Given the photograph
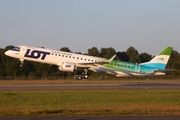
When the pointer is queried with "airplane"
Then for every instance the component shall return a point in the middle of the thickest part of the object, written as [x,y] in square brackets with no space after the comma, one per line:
[71,62]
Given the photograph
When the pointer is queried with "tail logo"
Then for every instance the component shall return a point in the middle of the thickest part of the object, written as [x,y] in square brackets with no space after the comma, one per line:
[160,58]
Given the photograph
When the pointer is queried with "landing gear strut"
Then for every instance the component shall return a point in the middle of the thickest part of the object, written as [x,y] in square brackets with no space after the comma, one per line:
[85,74]
[22,61]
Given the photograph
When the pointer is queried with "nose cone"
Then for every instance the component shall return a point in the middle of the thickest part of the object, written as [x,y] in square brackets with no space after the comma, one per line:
[7,53]
[11,53]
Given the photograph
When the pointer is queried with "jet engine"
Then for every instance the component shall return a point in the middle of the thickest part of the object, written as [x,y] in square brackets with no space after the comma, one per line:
[67,67]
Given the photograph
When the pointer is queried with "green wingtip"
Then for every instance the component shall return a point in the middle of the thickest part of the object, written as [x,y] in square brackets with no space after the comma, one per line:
[166,51]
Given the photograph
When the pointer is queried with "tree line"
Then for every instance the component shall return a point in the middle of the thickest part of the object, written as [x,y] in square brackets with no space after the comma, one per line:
[10,67]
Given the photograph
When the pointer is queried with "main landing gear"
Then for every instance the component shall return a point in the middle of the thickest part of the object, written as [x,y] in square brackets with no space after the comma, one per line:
[81,74]
[84,74]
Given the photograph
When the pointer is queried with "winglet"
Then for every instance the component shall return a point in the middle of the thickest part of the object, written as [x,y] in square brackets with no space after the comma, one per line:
[112,58]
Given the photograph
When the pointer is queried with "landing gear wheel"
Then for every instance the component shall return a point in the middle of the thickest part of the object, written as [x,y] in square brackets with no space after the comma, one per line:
[84,76]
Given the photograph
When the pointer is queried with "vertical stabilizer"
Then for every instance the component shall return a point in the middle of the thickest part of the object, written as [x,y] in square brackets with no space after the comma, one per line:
[159,62]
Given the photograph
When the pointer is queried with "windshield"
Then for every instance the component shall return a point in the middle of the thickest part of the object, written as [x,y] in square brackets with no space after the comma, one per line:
[16,49]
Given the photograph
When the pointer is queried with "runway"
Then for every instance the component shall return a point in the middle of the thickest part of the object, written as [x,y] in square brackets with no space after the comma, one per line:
[136,86]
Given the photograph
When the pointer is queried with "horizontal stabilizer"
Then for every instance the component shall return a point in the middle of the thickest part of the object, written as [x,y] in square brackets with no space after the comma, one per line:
[167,71]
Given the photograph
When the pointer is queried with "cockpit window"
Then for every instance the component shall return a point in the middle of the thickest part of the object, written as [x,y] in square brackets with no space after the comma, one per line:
[16,49]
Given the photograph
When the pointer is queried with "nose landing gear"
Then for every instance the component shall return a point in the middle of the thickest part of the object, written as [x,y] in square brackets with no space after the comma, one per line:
[22,61]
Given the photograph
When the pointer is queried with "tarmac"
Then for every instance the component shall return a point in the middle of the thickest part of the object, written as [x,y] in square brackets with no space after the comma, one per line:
[136,86]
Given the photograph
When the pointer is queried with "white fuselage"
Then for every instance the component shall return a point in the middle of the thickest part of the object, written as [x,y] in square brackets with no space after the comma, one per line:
[51,56]
[67,61]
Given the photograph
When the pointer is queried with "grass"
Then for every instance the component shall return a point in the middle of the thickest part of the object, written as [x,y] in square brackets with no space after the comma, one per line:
[89,102]
[92,102]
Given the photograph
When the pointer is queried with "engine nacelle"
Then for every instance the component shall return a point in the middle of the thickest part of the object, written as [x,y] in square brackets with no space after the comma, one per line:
[67,67]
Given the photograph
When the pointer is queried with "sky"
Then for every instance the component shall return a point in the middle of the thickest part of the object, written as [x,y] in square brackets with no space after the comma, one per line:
[147,25]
